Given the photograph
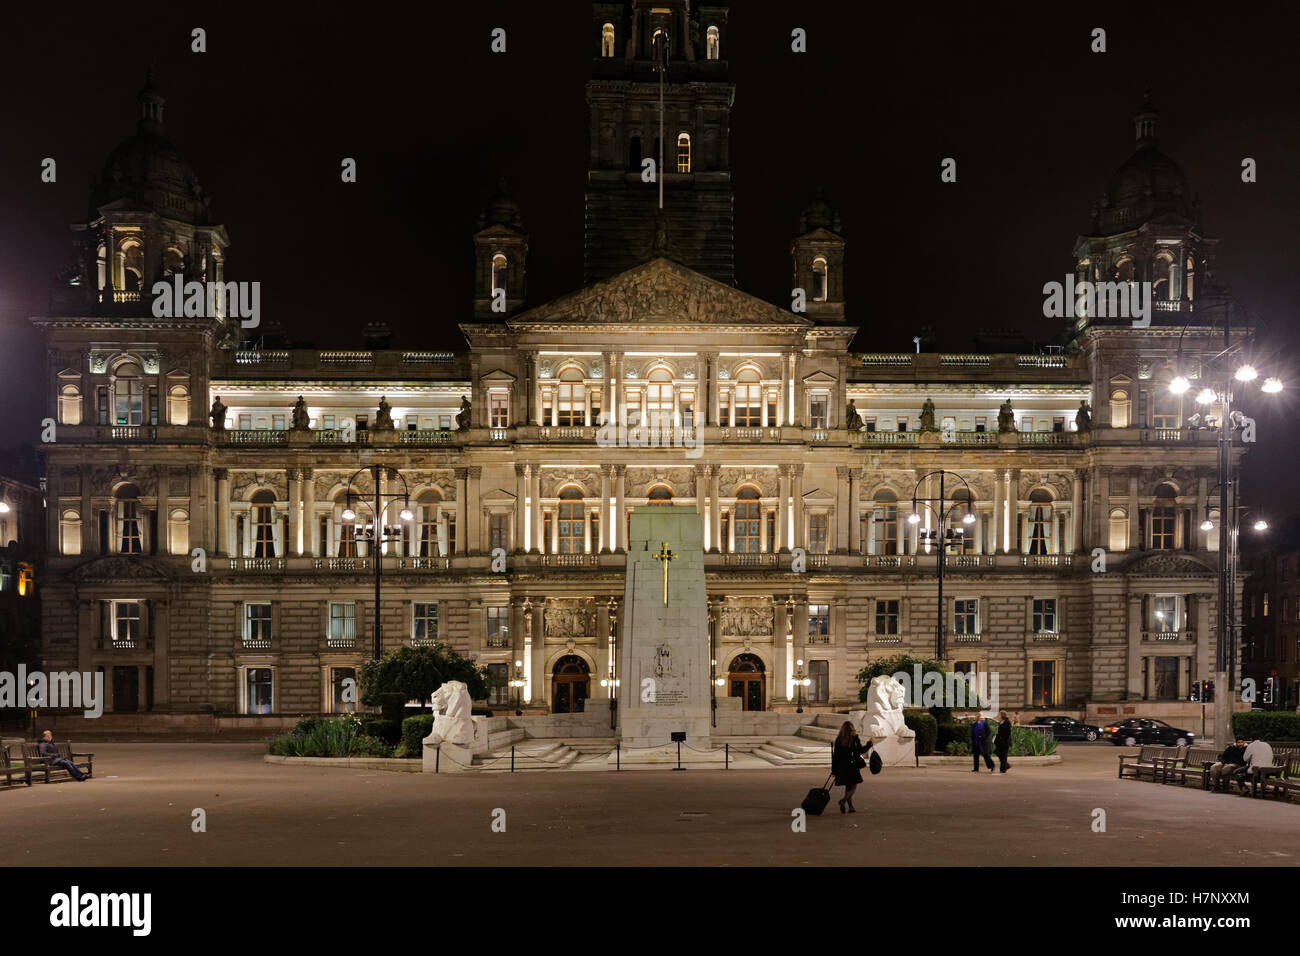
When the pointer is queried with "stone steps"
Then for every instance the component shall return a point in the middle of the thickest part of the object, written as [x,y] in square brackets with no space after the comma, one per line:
[504,738]
[816,732]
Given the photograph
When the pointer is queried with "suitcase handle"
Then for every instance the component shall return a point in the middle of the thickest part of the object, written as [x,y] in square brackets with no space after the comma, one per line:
[828,781]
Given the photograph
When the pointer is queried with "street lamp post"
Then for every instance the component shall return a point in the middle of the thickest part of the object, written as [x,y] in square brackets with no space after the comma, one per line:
[517,682]
[378,533]
[800,682]
[942,536]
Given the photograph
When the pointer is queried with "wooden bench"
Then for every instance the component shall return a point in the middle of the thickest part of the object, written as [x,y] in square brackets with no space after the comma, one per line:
[1192,765]
[1271,779]
[32,757]
[1290,780]
[1144,761]
[10,770]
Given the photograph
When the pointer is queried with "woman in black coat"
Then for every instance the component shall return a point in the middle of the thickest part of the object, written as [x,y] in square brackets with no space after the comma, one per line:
[1002,742]
[846,760]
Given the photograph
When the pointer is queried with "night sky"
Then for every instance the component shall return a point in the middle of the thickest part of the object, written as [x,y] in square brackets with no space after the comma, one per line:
[1036,122]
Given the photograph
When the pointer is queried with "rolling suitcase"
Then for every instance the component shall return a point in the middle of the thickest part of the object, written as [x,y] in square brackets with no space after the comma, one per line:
[817,798]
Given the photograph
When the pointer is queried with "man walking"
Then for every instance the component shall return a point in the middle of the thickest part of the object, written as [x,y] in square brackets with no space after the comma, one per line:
[1002,743]
[979,744]
[48,749]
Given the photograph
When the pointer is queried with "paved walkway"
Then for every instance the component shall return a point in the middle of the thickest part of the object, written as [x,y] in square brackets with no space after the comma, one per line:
[137,811]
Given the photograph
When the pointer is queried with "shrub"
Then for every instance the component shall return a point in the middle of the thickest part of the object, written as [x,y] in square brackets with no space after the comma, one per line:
[364,746]
[1273,725]
[926,729]
[1026,742]
[304,726]
[414,730]
[956,748]
[389,731]
[951,733]
[392,706]
[283,747]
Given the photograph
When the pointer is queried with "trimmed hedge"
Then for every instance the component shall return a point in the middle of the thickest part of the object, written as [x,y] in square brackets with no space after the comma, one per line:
[926,729]
[1273,725]
[414,730]
[389,731]
[392,706]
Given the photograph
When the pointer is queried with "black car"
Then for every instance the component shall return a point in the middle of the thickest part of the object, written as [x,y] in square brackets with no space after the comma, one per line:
[1146,730]
[1066,728]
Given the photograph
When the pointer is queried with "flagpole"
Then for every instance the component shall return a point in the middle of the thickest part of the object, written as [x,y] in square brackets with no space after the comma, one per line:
[663,63]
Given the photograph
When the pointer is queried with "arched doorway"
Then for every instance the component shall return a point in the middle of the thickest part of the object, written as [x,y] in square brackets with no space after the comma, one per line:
[570,685]
[746,681]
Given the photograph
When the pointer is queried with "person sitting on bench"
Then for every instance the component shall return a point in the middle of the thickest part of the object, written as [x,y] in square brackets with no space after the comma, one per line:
[1231,760]
[49,749]
[1258,754]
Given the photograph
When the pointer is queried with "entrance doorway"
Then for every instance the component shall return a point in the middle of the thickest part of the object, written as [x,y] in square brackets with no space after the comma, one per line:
[570,685]
[746,679]
[126,690]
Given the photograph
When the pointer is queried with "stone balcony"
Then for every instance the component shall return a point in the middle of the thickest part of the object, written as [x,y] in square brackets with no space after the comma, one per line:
[1169,637]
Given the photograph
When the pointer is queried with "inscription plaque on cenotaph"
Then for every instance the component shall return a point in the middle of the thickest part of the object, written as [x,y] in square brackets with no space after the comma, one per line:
[664,657]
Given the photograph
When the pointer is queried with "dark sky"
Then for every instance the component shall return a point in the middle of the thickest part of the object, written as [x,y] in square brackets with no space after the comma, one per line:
[1036,122]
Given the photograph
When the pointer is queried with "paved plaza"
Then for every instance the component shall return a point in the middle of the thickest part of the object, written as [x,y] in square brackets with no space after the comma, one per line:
[136,811]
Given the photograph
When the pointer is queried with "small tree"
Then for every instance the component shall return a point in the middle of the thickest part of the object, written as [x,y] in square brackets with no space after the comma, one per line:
[417,672]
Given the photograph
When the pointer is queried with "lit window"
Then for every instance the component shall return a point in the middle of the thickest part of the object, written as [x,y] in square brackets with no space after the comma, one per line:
[711,38]
[498,627]
[887,617]
[70,533]
[424,623]
[126,624]
[128,396]
[820,277]
[659,399]
[748,399]
[178,405]
[257,690]
[499,405]
[748,523]
[573,523]
[607,40]
[683,152]
[819,623]
[1044,614]
[257,624]
[70,405]
[572,398]
[498,273]
[343,624]
[965,616]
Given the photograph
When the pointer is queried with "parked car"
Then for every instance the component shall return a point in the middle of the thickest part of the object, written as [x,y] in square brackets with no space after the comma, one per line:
[1066,728]
[1146,730]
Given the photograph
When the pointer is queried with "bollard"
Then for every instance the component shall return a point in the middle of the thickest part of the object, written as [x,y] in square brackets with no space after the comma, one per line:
[726,757]
[618,755]
[437,757]
[512,758]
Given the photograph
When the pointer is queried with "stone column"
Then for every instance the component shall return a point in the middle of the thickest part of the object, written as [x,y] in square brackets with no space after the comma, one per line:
[534,413]
[1133,542]
[1135,688]
[310,545]
[474,509]
[1013,507]
[855,507]
[620,534]
[999,512]
[541,682]
[616,390]
[842,518]
[782,672]
[1077,543]
[605,488]
[521,505]
[291,547]
[715,511]
[979,531]
[796,413]
[602,649]
[796,478]
[516,634]
[536,545]
[1204,660]
[460,545]
[223,510]
[90,520]
[1202,507]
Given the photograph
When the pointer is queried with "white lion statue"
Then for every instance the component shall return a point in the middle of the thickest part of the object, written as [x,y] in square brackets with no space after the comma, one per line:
[883,722]
[452,723]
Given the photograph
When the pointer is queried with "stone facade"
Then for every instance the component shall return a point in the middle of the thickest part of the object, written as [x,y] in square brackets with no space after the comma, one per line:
[207,560]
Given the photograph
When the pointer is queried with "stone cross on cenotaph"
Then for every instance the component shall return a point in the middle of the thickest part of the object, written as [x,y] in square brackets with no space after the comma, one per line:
[664,653]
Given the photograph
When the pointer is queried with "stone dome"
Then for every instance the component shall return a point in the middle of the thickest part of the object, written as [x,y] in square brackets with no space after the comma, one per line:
[502,210]
[1147,186]
[819,215]
[148,169]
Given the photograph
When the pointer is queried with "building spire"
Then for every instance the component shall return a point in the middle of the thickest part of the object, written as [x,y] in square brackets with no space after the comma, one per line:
[1144,121]
[151,105]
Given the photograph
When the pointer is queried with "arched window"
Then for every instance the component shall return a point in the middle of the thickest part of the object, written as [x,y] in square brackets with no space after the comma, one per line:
[430,538]
[347,536]
[1125,269]
[884,523]
[264,524]
[178,532]
[1212,536]
[963,534]
[498,273]
[1164,518]
[749,402]
[70,405]
[660,495]
[748,522]
[70,533]
[130,536]
[659,47]
[1040,522]
[101,266]
[132,257]
[1118,530]
[1190,274]
[1119,408]
[820,279]
[572,399]
[174,262]
[711,36]
[178,405]
[1162,277]
[683,152]
[573,523]
[659,399]
[607,40]
[128,395]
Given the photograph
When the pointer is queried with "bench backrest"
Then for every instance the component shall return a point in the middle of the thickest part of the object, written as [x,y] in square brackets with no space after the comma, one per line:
[1293,767]
[65,751]
[1196,755]
[31,752]
[1147,754]
[1282,754]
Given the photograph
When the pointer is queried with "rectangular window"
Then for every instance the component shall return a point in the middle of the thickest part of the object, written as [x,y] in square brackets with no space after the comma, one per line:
[596,406]
[103,405]
[965,616]
[500,411]
[724,533]
[548,539]
[981,423]
[902,424]
[327,421]
[363,422]
[886,617]
[1166,677]
[863,527]
[126,624]
[501,689]
[886,520]
[633,402]
[816,411]
[817,533]
[257,690]
[819,623]
[343,685]
[498,626]
[245,422]
[1162,528]
[412,423]
[343,624]
[424,623]
[870,423]
[771,531]
[1026,424]
[277,423]
[1164,612]
[687,405]
[1044,684]
[257,624]
[1058,424]
[820,687]
[498,531]
[724,408]
[444,422]
[130,540]
[1044,615]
